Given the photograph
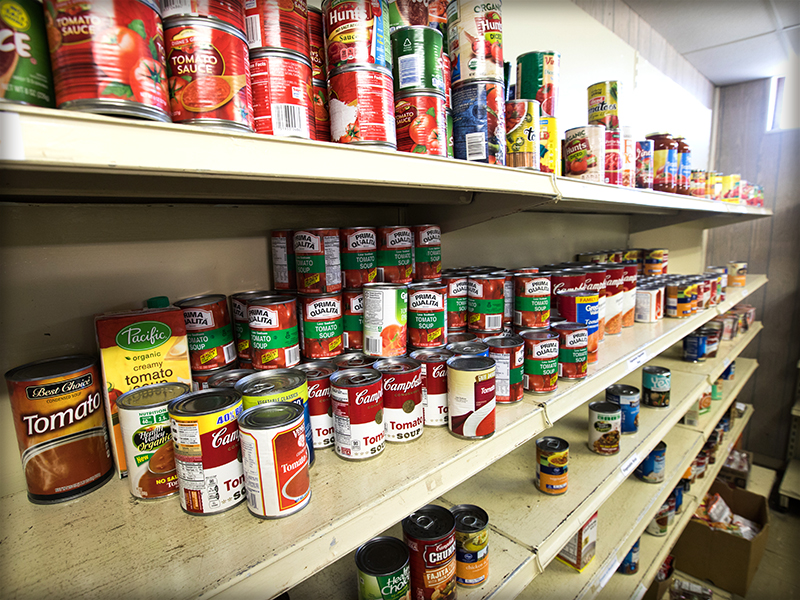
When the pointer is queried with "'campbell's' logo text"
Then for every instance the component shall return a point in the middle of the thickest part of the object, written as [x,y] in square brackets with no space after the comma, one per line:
[392,385]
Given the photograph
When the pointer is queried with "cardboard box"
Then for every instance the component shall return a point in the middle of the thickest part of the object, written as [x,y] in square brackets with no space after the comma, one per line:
[726,561]
[736,477]
[658,589]
[580,550]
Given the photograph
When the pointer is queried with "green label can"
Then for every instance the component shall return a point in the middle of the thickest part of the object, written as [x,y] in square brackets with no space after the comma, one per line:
[538,77]
[417,55]
[25,74]
[522,134]
[385,319]
[384,572]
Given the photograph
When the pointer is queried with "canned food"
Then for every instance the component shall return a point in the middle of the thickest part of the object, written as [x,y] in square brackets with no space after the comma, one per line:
[357,399]
[356,32]
[552,465]
[573,353]
[317,258]
[659,526]
[471,393]
[581,307]
[273,332]
[486,302]
[653,468]
[737,274]
[429,534]
[479,128]
[665,162]
[613,157]
[385,319]
[316,44]
[605,420]
[603,104]
[585,152]
[321,325]
[522,134]
[241,320]
[361,106]
[434,384]
[228,378]
[416,53]
[644,164]
[713,337]
[628,294]
[383,570]
[647,304]
[353,320]
[404,12]
[549,146]
[448,91]
[281,89]
[200,379]
[656,262]
[322,119]
[694,347]
[615,298]
[474,347]
[427,252]
[655,386]
[282,25]
[508,354]
[353,359]
[318,375]
[539,77]
[359,246]
[395,254]
[27,77]
[475,40]
[679,299]
[209,331]
[731,188]
[628,398]
[541,361]
[284,270]
[472,545]
[427,324]
[402,398]
[532,300]
[596,282]
[456,302]
[230,11]
[630,564]
[628,158]
[461,336]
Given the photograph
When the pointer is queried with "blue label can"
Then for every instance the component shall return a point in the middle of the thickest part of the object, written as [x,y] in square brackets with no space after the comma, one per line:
[628,398]
[656,386]
[630,564]
[479,127]
[694,347]
[652,468]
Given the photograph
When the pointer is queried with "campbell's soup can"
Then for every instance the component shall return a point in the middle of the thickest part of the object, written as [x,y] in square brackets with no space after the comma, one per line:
[27,77]
[522,134]
[584,153]
[385,319]
[479,129]
[540,369]
[108,67]
[508,353]
[356,32]
[358,247]
[395,254]
[320,325]
[421,123]
[361,106]
[316,44]
[485,302]
[383,570]
[416,53]
[427,321]
[317,260]
[629,293]
[205,433]
[318,375]
[322,118]
[644,164]
[281,89]
[539,77]
[596,282]
[615,297]
[552,465]
[357,400]
[241,320]
[573,354]
[471,391]
[456,301]
[472,545]
[581,307]
[353,319]
[230,11]
[647,301]
[429,534]
[602,99]
[475,40]
[274,337]
[427,252]
[209,331]
[282,25]
[284,269]
[354,359]
[613,157]
[605,427]
[549,146]
[275,459]
[219,95]
[434,384]
[532,300]
[402,398]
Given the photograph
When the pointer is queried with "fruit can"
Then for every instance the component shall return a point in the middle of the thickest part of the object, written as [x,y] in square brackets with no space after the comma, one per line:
[228,378]
[229,11]
[474,347]
[384,572]
[552,465]
[427,321]
[149,452]
[205,434]
[655,386]
[274,337]
[522,134]
[320,325]
[57,406]
[322,120]
[219,96]
[472,545]
[630,564]
[416,52]
[410,12]
[385,319]
[573,354]
[475,40]
[361,105]
[357,401]
[508,353]
[395,254]
[108,68]
[282,25]
[541,361]
[284,269]
[429,534]
[584,153]
[615,297]
[359,247]
[647,302]
[27,76]
[427,252]
[737,274]
[549,146]
[580,306]
[402,398]
[241,321]
[421,123]
[653,468]
[628,398]
[275,459]
[456,301]
[628,293]
[356,32]
[353,320]
[208,327]
[656,262]
[605,421]
[485,302]
[644,164]
[603,104]
[316,44]
[281,89]
[539,77]
[479,128]
[318,376]
[317,260]
[434,384]
[613,157]
[596,282]
[471,393]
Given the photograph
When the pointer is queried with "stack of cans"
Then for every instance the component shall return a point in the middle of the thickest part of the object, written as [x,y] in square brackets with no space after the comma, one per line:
[539,79]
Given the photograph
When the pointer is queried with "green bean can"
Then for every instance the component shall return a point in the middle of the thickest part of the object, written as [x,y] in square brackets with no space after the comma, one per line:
[539,78]
[25,74]
[417,56]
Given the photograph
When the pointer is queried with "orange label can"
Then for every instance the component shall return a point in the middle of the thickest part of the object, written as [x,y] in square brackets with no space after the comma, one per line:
[552,463]
[472,545]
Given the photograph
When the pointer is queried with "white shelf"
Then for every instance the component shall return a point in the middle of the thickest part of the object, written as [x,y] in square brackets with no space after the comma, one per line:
[790,484]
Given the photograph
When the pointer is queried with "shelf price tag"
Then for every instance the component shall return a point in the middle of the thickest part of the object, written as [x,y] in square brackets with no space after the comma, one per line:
[637,360]
[726,362]
[641,590]
[629,465]
[741,407]
[744,292]
[610,570]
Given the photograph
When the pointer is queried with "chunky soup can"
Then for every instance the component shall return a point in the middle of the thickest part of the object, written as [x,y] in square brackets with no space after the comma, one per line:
[522,134]
[321,325]
[472,545]
[573,354]
[317,260]
[552,465]
[485,302]
[541,360]
[318,375]
[385,319]
[284,269]
[281,89]
[416,52]
[539,77]
[274,338]
[479,129]
[241,320]
[209,330]
[427,252]
[357,400]
[229,11]
[384,572]
[402,398]
[356,32]
[24,59]
[628,398]
[605,422]
[656,385]
[282,25]
[434,384]
[353,320]
[475,40]
[427,322]
[471,392]
[456,301]
[429,534]
[508,353]
[395,254]
[358,247]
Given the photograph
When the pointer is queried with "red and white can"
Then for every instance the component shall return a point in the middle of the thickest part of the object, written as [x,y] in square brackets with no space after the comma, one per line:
[596,282]
[628,294]
[357,400]
[241,320]
[318,375]
[322,118]
[359,247]
[317,260]
[209,331]
[486,302]
[282,25]
[456,301]
[402,398]
[508,297]
[508,353]
[429,534]
[395,254]
[615,299]
[532,300]
[284,275]
[573,354]
[568,280]
[274,342]
[281,83]
[353,319]
[316,44]
[471,399]
[229,11]
[361,105]
[427,315]
[647,301]
[427,252]
[541,361]
[421,123]
[434,384]
[320,325]
[356,32]
[613,157]
[448,92]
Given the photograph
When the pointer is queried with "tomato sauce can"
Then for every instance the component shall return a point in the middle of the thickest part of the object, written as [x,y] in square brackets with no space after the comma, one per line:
[282,25]
[241,320]
[628,398]
[421,123]
[644,164]
[275,459]
[356,32]
[656,386]
[628,158]
[485,302]
[479,129]
[475,40]
[605,423]
[229,11]
[552,465]
[471,391]
[320,325]
[427,322]
[208,327]
[603,104]
[281,90]
[361,106]
[427,252]
[434,384]
[522,134]
[456,301]
[613,157]
[615,298]
[629,278]
[385,319]
[573,354]
[359,247]
[24,60]
[737,274]
[402,398]
[316,44]
[384,571]
[416,53]
[322,118]
[228,378]
[353,320]
[395,254]
[584,153]
[472,545]
[549,146]
[274,342]
[508,353]
[317,258]
[581,307]
[540,369]
[429,534]
[539,77]
[219,96]
[57,406]
[318,375]
[284,269]
[653,468]
[357,400]
[508,297]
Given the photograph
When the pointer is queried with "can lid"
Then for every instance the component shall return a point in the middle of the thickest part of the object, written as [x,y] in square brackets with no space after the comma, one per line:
[152,395]
[660,447]
[384,286]
[604,407]
[426,356]
[382,556]
[398,364]
[353,359]
[228,379]
[244,296]
[318,369]
[470,518]
[541,333]
[51,367]
[463,336]
[269,298]
[471,363]
[264,383]
[157,302]
[355,377]
[199,300]
[656,370]
[504,341]
[204,402]
[620,389]
[431,522]
[567,325]
[270,415]
[552,444]
[469,347]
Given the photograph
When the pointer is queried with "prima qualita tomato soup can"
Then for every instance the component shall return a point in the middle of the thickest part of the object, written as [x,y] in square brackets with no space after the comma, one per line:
[429,534]
[353,319]
[395,254]
[357,400]
[318,374]
[359,247]
[421,123]
[541,361]
[402,398]
[275,459]
[27,77]
[284,269]
[471,392]
[456,301]
[573,354]
[427,317]
[532,300]
[274,338]
[208,327]
[508,353]
[205,434]
[281,90]
[356,32]
[241,320]
[282,25]
[475,40]
[434,384]
[320,325]
[317,260]
[427,252]
[485,302]
[229,11]
[316,44]
[580,306]
[385,319]
[361,106]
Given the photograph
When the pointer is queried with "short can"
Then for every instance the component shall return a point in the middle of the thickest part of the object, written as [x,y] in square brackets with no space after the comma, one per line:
[476,347]
[581,306]
[353,320]
[648,299]
[475,40]
[200,379]
[416,52]
[241,321]
[630,564]
[573,353]
[275,459]
[584,153]
[316,44]
[605,422]
[539,77]
[694,347]
[737,274]
[472,545]
[318,376]
[613,157]
[384,572]
[358,247]
[320,325]
[552,465]
[357,401]
[549,146]
[205,433]
[284,268]
[361,106]
[421,123]
[229,11]
[402,398]
[541,360]
[433,365]
[479,129]
[508,353]
[322,117]
[485,302]
[427,323]
[628,398]
[456,301]
[522,134]
[356,32]
[653,468]
[317,258]
[532,296]
[385,319]
[656,385]
[281,89]
[429,534]
[644,164]
[27,78]
[471,391]
[603,99]
[274,338]
[209,331]
[395,254]
[354,359]
[427,252]
[282,25]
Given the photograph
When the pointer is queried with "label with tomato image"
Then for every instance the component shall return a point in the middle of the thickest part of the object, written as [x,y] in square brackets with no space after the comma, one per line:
[361,105]
[359,247]
[573,353]
[278,24]
[427,252]
[317,261]
[427,323]
[230,11]
[485,302]
[522,134]
[209,73]
[613,157]
[353,335]
[539,78]
[475,39]
[385,319]
[603,104]
[479,128]
[541,362]
[532,300]
[549,146]
[108,57]
[25,73]
[421,124]
[322,119]
[395,254]
[471,396]
[456,301]
[356,32]
[321,326]
[316,44]
[584,151]
[273,335]
[359,432]
[281,89]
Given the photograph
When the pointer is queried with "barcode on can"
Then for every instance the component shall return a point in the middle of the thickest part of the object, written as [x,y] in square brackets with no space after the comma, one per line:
[476,145]
[288,119]
[373,345]
[494,322]
[252,26]
[292,356]
[229,351]
[410,71]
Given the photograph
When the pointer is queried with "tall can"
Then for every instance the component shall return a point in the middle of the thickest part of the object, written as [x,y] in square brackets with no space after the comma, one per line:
[605,423]
[433,14]
[613,157]
[628,158]
[684,180]
[427,252]
[361,106]
[322,117]
[656,385]
[532,300]
[316,44]
[628,398]
[383,570]
[653,468]
[421,123]
[356,32]
[471,391]
[385,319]
[522,134]
[318,375]
[584,153]
[353,319]
[508,353]
[644,164]
[357,400]
[552,465]
[479,129]
[539,77]
[573,355]
[28,78]
[358,247]
[320,325]
[580,306]
[472,545]
[284,270]
[456,301]
[281,89]
[737,274]
[628,293]
[541,360]
[508,297]
[485,302]
[615,298]
[229,11]
[603,99]
[402,398]
[274,337]
[475,40]
[596,282]
[429,534]
[549,146]
[241,320]
[427,318]
[395,254]
[317,258]
[208,327]
[281,25]
[434,384]
[416,52]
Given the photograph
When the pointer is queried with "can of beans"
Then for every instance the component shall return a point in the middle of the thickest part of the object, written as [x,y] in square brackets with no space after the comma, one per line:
[581,307]
[282,25]
[552,465]
[241,320]
[615,298]
[508,354]
[209,331]
[694,347]
[584,153]
[219,95]
[522,134]
[318,375]
[486,302]
[317,258]
[427,252]
[385,319]
[383,569]
[421,123]
[322,119]
[274,342]
[434,384]
[395,254]
[402,398]
[316,44]
[737,274]
[656,262]
[356,32]
[539,77]
[353,359]
[541,361]
[475,40]
[416,53]
[320,325]
[284,275]
[549,146]
[471,396]
[27,77]
[281,89]
[357,400]
[228,378]
[653,468]
[456,301]
[655,386]
[275,459]
[472,545]
[573,354]
[474,347]
[427,323]
[628,293]
[627,397]
[532,300]
[603,104]
[353,320]
[429,534]
[479,129]
[644,164]
[605,420]
[361,105]
[359,246]
[630,564]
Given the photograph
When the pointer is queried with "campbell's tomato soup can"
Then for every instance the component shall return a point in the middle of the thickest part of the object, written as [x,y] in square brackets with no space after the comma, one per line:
[540,369]
[485,302]
[613,157]
[532,300]
[644,164]
[282,24]
[434,384]
[615,299]
[552,465]
[316,44]
[57,406]
[475,40]
[471,391]
[230,11]
[567,280]
[385,319]
[429,534]
[320,325]
[584,153]
[427,315]
[421,123]
[322,118]
[472,545]
[353,320]
[603,101]
[508,353]
[628,294]
[208,327]
[27,77]
[357,400]
[596,282]
[539,78]
[416,52]
[356,32]
[361,106]
[281,89]
[317,260]
[427,252]
[573,353]
[241,320]
[522,134]
[479,128]
[205,434]
[359,247]
[395,254]
[318,375]
[456,301]
[284,274]
[274,337]
[581,307]
[275,459]
[402,398]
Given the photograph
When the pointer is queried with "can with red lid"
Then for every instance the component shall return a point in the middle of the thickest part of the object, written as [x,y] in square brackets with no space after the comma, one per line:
[229,11]
[282,25]
[322,119]
[358,255]
[427,252]
[318,375]
[395,254]
[273,332]
[434,384]
[402,398]
[532,300]
[471,401]
[613,157]
[430,534]
[581,307]
[573,355]
[281,87]
[628,294]
[320,324]
[427,319]
[353,319]
[284,275]
[421,123]
[316,44]
[456,301]
[361,105]
[508,353]
[356,32]
[241,320]
[209,331]
[357,400]
[615,275]
[485,302]
[541,361]
[596,282]
[317,260]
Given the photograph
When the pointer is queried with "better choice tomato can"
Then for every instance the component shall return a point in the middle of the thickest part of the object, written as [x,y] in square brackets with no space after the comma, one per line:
[241,320]
[281,88]
[416,52]
[485,302]
[508,353]
[584,153]
[573,354]
[456,301]
[552,465]
[230,11]
[479,129]
[27,77]
[429,534]
[282,25]
[427,252]
[357,400]
[284,269]
[317,258]
[472,545]
[383,569]
[395,254]
[385,319]
[539,77]
[522,134]
[532,300]
[209,331]
[358,247]
[541,361]
[471,391]
[361,106]
[402,398]
[427,323]
[318,375]
[316,44]
[433,365]
[205,432]
[356,32]
[321,325]
[275,459]
[605,423]
[274,342]
[475,40]
[353,320]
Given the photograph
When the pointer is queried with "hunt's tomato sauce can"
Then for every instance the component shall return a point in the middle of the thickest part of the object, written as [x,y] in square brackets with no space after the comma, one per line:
[395,254]
[475,40]
[359,246]
[318,375]
[434,384]
[421,123]
[356,32]
[322,119]
[508,353]
[284,275]
[274,340]
[317,260]
[427,252]
[541,361]
[208,327]
[361,106]
[456,301]
[353,319]
[584,153]
[357,399]
[282,24]
[532,300]
[427,315]
[573,354]
[281,84]
[385,319]
[430,534]
[402,398]
[241,321]
[316,44]
[230,11]
[320,325]
[471,401]
[108,57]
[485,302]
[209,74]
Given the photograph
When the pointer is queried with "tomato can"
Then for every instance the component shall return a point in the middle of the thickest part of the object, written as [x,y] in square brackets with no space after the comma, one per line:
[485,302]
[549,146]
[353,320]
[434,384]
[316,44]
[427,323]
[615,298]
[472,545]
[628,293]
[580,306]
[354,359]
[361,105]
[275,459]
[274,337]
[416,53]
[281,89]
[471,391]
[539,77]
[573,354]
[613,157]
[402,398]
[384,571]
[475,347]
[317,258]
[357,400]
[320,325]
[26,74]
[653,468]
[605,422]
[655,386]
[284,269]
[208,327]
[644,164]
[603,104]
[508,297]
[356,32]
[427,252]
[584,153]
[508,353]
[552,465]
[737,274]
[475,40]
[429,534]
[57,406]
[479,129]
[385,319]
[628,399]
[541,360]
[318,375]
[456,301]
[220,95]
[433,14]
[359,247]
[241,320]
[522,134]
[229,11]
[322,120]
[421,123]
[281,25]
[228,377]
[395,254]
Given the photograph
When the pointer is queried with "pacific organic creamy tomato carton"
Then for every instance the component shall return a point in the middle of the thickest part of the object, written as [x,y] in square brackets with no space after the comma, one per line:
[138,348]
